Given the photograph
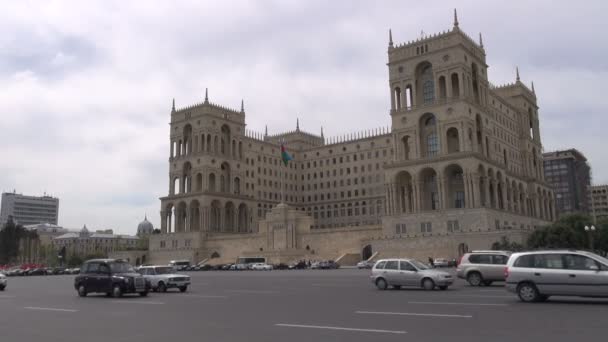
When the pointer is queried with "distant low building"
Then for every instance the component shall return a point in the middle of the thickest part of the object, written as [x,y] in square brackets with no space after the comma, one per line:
[598,196]
[46,232]
[28,210]
[101,242]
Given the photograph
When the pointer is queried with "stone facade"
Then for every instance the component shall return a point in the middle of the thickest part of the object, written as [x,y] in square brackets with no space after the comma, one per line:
[460,156]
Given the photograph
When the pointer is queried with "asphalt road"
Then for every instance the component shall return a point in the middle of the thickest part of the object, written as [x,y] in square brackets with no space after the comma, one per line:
[340,305]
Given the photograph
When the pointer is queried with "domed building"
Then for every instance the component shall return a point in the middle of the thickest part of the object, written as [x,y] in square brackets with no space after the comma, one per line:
[145,227]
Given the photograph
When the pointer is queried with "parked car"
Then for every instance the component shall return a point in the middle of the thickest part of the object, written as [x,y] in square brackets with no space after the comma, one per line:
[315,265]
[408,272]
[534,276]
[328,265]
[300,265]
[482,267]
[3,282]
[180,265]
[162,278]
[440,262]
[365,264]
[239,267]
[259,266]
[110,276]
[36,271]
[280,266]
[226,267]
[75,270]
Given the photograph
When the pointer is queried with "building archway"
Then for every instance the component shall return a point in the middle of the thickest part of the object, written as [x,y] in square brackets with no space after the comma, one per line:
[429,197]
[366,253]
[455,186]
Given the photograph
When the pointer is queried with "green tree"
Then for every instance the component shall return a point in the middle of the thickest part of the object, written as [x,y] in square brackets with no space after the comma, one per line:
[569,232]
[10,237]
[74,261]
[506,245]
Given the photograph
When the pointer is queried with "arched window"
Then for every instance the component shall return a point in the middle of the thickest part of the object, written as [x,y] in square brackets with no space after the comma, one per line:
[405,145]
[211,185]
[428,86]
[455,85]
[397,98]
[442,87]
[432,144]
[453,140]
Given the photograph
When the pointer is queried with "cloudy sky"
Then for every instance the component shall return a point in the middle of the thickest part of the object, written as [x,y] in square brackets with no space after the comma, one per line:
[86,86]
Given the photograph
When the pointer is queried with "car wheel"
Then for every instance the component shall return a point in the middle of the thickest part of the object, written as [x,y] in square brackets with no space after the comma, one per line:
[474,279]
[116,291]
[82,291]
[443,287]
[2,288]
[144,294]
[183,289]
[428,284]
[397,287]
[381,284]
[161,287]
[487,282]
[528,293]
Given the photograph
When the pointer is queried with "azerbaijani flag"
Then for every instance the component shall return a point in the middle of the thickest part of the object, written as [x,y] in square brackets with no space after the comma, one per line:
[284,155]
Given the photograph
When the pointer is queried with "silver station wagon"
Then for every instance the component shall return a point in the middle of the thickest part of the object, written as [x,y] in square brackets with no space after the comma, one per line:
[535,276]
[408,272]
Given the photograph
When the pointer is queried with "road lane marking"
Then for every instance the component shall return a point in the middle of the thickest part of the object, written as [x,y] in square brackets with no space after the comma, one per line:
[411,314]
[137,302]
[340,328]
[450,303]
[252,291]
[49,309]
[203,296]
[482,296]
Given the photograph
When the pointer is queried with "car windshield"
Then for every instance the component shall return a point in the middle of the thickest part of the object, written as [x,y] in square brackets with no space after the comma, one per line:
[164,270]
[419,265]
[121,267]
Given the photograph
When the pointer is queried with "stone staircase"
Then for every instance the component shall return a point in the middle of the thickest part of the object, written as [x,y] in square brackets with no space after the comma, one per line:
[349,259]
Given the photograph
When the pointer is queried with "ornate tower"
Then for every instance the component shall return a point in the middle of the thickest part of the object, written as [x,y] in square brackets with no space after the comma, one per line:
[460,162]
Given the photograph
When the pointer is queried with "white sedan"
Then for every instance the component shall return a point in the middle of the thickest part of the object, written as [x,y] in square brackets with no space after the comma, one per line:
[261,267]
[2,282]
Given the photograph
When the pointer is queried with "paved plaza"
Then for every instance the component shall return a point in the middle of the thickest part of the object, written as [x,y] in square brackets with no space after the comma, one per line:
[337,305]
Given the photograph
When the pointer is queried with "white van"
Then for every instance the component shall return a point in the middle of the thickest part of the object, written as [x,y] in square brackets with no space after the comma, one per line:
[180,265]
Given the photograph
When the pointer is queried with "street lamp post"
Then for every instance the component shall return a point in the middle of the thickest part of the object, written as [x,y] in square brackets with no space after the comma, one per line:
[590,231]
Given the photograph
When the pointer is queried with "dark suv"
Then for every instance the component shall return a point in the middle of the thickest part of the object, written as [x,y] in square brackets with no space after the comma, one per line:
[110,276]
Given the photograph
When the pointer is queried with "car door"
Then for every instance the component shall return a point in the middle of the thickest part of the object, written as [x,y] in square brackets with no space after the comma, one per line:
[550,274]
[408,274]
[104,278]
[499,262]
[391,272]
[90,276]
[585,276]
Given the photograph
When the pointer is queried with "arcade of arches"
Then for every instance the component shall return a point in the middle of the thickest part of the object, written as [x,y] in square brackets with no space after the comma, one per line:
[452,187]
[216,217]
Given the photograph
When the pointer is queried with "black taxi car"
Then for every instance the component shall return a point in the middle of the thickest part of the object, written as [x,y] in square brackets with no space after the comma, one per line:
[113,277]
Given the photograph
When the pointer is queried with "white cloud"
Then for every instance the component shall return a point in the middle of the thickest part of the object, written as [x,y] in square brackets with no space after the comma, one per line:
[87,86]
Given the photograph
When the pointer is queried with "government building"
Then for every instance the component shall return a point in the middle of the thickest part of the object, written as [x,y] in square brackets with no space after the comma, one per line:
[459,168]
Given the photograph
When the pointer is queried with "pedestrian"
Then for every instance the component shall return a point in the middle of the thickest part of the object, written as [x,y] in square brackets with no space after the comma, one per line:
[431,262]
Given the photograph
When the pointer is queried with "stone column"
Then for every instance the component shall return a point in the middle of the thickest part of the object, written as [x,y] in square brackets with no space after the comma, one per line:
[163,222]
[495,186]
[476,192]
[443,192]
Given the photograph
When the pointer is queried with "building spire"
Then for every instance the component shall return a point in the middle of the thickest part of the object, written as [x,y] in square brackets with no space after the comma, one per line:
[533,91]
[390,38]
[322,133]
[517,74]
[242,106]
[266,131]
[480,40]
[206,95]
[173,106]
[455,19]
[297,124]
